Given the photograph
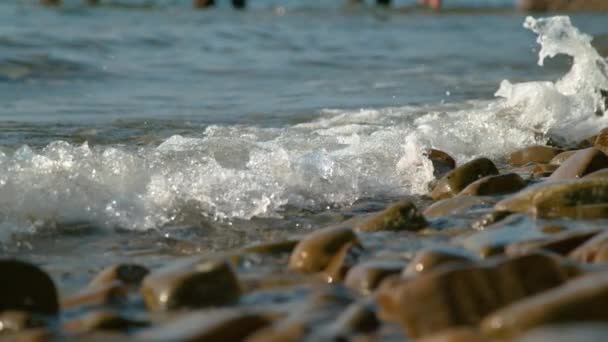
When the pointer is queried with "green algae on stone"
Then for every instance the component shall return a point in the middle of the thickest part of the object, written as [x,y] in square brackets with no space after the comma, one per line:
[399,216]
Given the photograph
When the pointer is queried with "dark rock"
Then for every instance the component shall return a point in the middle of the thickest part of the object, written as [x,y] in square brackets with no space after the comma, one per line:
[399,216]
[442,162]
[101,294]
[459,178]
[102,321]
[192,283]
[26,288]
[128,274]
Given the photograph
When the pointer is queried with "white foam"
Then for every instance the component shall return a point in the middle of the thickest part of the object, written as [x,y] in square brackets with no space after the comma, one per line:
[246,171]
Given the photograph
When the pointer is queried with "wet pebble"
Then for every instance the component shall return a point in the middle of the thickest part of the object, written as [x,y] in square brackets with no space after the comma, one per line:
[459,178]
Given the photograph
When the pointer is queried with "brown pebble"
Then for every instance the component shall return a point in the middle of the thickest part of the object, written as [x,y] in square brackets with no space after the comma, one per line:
[220,326]
[315,251]
[582,299]
[594,250]
[442,162]
[464,334]
[277,247]
[455,205]
[344,260]
[191,283]
[602,173]
[399,216]
[489,219]
[581,163]
[562,157]
[366,276]
[429,259]
[561,243]
[456,180]
[102,321]
[356,318]
[533,154]
[495,185]
[26,287]
[462,295]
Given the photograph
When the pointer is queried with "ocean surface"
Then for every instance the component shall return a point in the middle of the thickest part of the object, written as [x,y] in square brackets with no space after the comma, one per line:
[139,130]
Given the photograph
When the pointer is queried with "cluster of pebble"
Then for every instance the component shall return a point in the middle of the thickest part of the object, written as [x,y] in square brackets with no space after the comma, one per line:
[526,260]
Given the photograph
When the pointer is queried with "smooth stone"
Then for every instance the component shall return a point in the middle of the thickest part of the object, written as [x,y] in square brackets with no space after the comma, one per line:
[430,259]
[581,163]
[191,283]
[102,321]
[13,321]
[97,295]
[277,247]
[562,157]
[594,250]
[464,334]
[459,178]
[602,173]
[495,185]
[442,162]
[365,277]
[399,216]
[584,198]
[581,299]
[561,243]
[533,154]
[454,205]
[316,250]
[220,326]
[128,274]
[26,288]
[462,295]
[347,257]
[601,140]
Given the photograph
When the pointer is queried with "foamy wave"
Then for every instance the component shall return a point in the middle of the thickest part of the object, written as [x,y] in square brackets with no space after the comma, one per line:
[244,171]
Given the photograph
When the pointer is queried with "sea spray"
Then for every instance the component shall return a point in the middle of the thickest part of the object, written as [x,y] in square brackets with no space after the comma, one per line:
[238,171]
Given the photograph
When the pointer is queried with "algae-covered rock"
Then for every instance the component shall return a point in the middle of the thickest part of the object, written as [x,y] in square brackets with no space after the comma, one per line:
[455,205]
[191,283]
[533,154]
[584,198]
[315,251]
[582,299]
[402,215]
[495,185]
[581,163]
[456,180]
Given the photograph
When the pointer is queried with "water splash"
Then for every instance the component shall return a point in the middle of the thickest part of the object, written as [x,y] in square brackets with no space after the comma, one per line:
[246,171]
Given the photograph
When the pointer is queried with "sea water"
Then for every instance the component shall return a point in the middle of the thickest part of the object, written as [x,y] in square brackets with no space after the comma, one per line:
[128,125]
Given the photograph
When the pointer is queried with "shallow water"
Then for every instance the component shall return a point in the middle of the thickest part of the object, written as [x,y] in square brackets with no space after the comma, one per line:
[125,127]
